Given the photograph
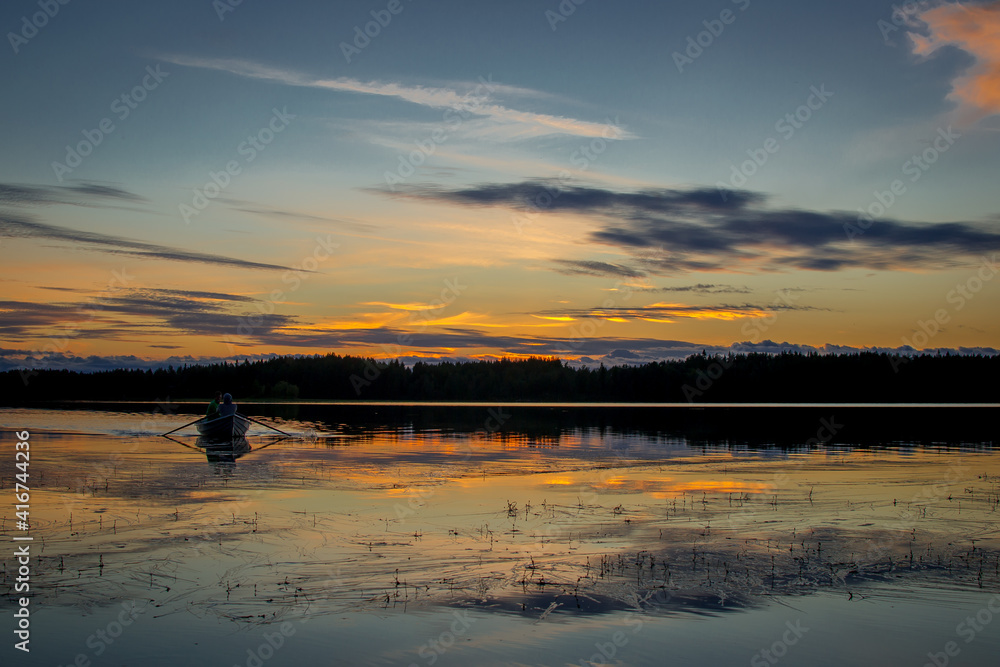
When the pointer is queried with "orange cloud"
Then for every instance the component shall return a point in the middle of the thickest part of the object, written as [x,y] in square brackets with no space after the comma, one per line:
[976,30]
[555,318]
[668,312]
[361,321]
[708,313]
[406,306]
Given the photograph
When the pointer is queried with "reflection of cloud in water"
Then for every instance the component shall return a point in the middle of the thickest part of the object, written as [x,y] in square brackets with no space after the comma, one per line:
[665,488]
[661,601]
[407,521]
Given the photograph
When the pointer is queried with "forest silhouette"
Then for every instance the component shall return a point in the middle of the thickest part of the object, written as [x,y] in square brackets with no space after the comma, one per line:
[867,377]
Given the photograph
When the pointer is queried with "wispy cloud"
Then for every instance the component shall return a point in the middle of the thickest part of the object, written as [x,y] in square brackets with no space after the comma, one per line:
[405,306]
[595,268]
[19,196]
[288,214]
[671,231]
[470,99]
[16,227]
[668,312]
[702,288]
[83,194]
[136,313]
[974,29]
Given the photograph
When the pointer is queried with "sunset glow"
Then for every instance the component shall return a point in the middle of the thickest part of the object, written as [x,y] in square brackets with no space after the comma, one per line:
[250,197]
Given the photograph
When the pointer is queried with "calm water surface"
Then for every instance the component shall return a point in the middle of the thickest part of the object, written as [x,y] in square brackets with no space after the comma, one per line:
[545,535]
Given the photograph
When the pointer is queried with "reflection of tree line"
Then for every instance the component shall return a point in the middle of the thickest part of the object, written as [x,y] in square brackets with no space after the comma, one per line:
[794,378]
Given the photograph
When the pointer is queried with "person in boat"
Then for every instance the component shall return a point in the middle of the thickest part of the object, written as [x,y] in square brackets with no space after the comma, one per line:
[213,407]
[228,407]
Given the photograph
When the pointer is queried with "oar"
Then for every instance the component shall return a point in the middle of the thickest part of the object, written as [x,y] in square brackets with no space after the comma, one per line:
[181,443]
[276,441]
[180,427]
[267,425]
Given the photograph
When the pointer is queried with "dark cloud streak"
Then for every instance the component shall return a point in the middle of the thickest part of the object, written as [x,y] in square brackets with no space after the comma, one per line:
[83,194]
[590,268]
[669,231]
[14,227]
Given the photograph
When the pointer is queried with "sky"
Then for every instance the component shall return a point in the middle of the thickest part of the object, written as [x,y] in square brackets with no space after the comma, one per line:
[602,182]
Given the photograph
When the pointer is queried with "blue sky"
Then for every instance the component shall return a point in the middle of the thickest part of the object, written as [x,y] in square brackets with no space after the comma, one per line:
[597,170]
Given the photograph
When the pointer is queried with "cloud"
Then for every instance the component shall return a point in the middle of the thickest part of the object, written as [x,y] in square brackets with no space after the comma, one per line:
[104,192]
[83,194]
[196,294]
[974,29]
[14,227]
[590,268]
[701,288]
[476,100]
[14,359]
[133,313]
[20,320]
[406,306]
[671,231]
[269,212]
[668,312]
[551,196]
[191,312]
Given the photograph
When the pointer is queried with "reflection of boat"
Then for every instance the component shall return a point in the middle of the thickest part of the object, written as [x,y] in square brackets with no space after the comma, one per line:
[223,452]
[225,428]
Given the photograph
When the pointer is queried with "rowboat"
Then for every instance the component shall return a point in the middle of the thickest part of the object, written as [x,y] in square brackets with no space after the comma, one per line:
[224,428]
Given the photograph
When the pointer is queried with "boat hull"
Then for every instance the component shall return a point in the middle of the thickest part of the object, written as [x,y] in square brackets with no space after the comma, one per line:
[228,451]
[225,428]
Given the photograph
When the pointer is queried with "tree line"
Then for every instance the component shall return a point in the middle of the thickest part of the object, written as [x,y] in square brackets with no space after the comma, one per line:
[867,377]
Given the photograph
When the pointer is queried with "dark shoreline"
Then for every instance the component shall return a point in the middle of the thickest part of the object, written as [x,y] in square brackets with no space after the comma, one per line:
[782,425]
[868,377]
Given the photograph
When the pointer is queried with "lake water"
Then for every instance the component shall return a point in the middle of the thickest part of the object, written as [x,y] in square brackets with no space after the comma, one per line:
[507,535]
